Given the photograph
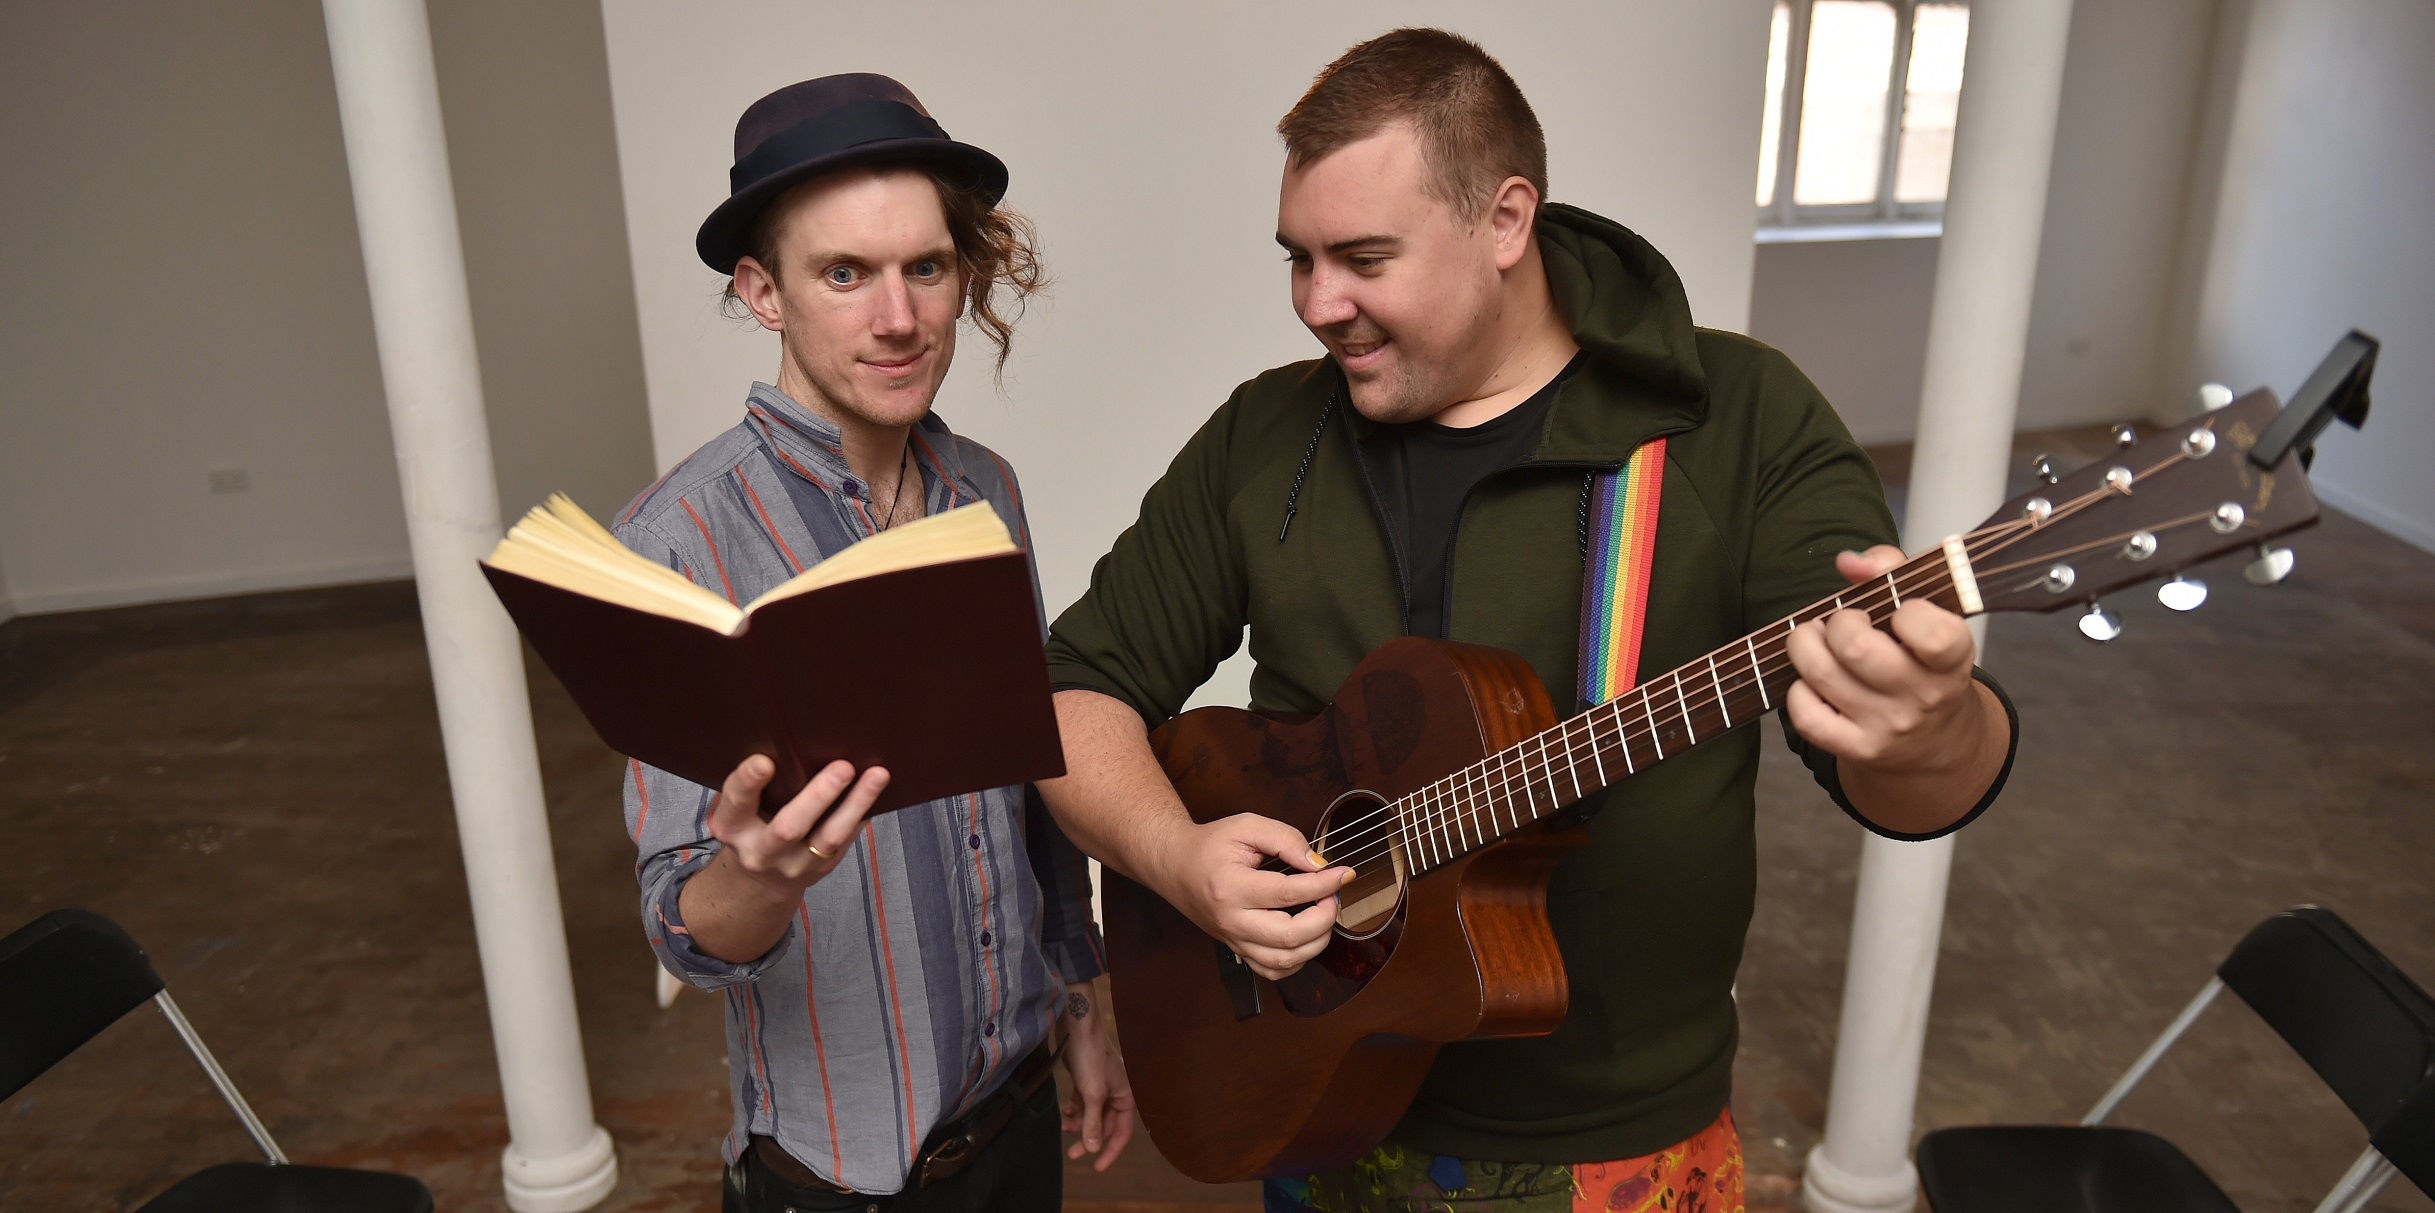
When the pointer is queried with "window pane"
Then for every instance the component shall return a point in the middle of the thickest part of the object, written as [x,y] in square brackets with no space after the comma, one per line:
[1843,101]
[1771,128]
[1932,94]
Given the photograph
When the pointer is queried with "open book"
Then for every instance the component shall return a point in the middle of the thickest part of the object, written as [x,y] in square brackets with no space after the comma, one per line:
[917,649]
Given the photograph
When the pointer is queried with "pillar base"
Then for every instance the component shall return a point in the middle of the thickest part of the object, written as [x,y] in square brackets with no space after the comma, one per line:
[1827,1188]
[566,1183]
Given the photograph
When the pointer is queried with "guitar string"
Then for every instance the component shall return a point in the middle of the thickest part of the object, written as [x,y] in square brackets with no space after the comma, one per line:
[1460,806]
[1500,784]
[1498,781]
[1443,806]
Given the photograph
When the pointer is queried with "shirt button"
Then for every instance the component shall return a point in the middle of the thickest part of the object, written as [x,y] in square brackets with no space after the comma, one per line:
[984,939]
[990,1028]
[975,840]
[848,485]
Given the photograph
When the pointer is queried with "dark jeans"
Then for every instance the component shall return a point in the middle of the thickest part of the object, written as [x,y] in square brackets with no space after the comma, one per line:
[1023,1171]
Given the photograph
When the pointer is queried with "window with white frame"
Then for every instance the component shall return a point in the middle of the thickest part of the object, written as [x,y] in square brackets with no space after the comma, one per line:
[1861,97]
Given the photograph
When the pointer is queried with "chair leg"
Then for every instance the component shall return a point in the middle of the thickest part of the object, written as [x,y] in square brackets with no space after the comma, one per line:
[2359,1185]
[219,1077]
[2147,1061]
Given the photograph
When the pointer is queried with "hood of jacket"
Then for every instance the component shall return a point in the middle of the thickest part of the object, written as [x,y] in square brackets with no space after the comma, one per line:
[1628,311]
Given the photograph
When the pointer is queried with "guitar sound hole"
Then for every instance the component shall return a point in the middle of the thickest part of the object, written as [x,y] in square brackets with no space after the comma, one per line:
[1358,829]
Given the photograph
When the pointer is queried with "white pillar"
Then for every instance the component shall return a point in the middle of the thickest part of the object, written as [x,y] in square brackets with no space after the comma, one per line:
[1978,329]
[557,1159]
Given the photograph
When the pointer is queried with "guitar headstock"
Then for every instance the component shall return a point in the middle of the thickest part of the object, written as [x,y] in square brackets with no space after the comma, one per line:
[2176,498]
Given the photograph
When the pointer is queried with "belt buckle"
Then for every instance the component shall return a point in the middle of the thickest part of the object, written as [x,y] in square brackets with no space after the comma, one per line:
[946,1159]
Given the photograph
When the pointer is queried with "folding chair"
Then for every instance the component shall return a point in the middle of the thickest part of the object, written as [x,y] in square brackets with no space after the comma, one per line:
[2366,1029]
[70,973]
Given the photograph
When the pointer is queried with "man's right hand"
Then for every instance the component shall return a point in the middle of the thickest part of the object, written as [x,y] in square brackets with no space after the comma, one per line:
[738,905]
[1212,872]
[800,843]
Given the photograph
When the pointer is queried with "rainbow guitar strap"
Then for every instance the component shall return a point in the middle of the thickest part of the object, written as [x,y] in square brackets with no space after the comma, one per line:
[1622,535]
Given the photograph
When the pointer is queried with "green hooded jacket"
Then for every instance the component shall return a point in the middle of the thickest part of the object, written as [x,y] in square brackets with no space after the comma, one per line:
[1762,487]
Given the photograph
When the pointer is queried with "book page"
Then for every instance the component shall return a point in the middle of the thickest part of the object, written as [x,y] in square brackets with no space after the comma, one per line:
[959,534]
[558,544]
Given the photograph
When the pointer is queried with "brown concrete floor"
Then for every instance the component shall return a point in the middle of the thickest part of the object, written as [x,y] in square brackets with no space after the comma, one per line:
[254,787]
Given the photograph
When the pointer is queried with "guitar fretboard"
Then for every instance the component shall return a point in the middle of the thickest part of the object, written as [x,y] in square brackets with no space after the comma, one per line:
[1695,702]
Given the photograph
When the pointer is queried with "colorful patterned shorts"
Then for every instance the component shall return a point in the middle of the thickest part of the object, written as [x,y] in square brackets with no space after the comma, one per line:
[1700,1175]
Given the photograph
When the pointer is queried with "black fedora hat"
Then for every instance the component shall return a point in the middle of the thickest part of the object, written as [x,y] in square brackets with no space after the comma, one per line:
[820,126]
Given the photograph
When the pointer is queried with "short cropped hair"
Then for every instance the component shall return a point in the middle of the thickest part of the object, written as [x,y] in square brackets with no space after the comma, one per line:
[1475,128]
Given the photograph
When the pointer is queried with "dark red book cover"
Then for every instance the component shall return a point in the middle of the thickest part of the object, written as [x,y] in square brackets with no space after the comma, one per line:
[936,673]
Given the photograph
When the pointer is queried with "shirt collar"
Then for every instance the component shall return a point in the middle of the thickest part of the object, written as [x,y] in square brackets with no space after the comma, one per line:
[811,446]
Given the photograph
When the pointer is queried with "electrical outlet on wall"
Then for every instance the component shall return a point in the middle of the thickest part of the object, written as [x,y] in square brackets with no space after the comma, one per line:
[228,480]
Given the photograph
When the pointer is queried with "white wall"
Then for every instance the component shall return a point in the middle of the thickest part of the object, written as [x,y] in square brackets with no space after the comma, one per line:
[1854,313]
[1141,141]
[181,291]
[2322,224]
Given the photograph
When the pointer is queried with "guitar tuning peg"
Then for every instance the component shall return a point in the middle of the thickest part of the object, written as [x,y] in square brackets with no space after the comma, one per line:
[2212,396]
[2272,565]
[2043,467]
[2099,624]
[2125,435]
[2182,593]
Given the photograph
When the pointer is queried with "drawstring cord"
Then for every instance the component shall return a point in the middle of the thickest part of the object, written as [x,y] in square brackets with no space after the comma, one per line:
[1294,497]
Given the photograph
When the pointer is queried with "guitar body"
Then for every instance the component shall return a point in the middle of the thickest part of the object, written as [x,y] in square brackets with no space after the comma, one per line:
[1237,1077]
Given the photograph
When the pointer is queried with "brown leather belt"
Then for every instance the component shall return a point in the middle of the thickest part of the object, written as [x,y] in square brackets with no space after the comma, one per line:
[950,1148]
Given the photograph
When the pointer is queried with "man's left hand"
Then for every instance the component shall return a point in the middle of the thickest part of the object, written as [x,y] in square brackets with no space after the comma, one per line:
[1101,1108]
[1917,740]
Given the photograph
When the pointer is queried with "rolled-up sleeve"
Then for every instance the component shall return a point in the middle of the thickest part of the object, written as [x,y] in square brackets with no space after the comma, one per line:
[669,818]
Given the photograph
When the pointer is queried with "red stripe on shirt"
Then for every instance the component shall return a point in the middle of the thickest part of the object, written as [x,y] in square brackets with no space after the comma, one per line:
[715,558]
[642,792]
[980,869]
[887,952]
[811,1010]
[766,524]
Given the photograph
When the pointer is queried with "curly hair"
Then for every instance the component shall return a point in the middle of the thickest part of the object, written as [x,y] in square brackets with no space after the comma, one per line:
[996,251]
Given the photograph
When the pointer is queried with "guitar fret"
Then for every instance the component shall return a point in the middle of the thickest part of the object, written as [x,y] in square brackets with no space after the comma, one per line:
[1757,675]
[1549,766]
[1719,684]
[1572,765]
[1649,711]
[1893,589]
[1592,717]
[1623,739]
[1685,704]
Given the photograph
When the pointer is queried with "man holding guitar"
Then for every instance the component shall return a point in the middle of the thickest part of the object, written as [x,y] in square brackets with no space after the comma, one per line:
[1501,371]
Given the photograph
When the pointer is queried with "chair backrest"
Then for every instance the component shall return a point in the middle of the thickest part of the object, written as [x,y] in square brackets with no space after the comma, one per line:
[63,978]
[2366,1028]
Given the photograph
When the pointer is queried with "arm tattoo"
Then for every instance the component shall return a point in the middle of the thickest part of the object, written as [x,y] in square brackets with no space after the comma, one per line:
[1077,1007]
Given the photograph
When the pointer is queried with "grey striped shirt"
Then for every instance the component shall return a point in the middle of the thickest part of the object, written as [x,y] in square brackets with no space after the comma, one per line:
[929,961]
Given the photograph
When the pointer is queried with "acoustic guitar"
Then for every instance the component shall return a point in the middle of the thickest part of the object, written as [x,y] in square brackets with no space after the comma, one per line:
[1440,774]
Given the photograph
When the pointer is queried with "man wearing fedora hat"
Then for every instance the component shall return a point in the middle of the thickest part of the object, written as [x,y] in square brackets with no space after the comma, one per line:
[892,984]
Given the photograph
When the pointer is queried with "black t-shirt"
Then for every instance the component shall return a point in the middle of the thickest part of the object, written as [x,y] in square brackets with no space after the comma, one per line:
[1435,468]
